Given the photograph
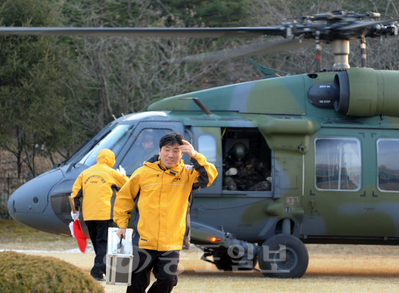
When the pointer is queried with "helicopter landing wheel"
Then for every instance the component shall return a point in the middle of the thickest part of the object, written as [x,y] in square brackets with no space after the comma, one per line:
[224,262]
[283,256]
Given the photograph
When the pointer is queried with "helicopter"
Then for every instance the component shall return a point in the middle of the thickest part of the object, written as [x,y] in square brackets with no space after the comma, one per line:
[328,141]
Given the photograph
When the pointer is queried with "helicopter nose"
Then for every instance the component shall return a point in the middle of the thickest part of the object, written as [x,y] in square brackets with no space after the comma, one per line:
[29,203]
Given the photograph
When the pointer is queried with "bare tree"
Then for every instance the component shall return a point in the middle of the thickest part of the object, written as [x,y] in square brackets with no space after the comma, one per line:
[123,75]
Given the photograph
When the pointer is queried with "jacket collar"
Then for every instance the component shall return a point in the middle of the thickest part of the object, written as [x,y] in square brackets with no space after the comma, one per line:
[157,165]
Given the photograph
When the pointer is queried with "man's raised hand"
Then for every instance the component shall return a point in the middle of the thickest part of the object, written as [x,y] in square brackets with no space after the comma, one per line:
[188,148]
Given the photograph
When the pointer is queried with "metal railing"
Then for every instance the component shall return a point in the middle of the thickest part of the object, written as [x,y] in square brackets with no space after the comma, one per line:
[7,186]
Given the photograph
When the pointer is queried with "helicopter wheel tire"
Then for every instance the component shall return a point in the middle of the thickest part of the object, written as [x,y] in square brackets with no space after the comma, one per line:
[287,257]
[224,262]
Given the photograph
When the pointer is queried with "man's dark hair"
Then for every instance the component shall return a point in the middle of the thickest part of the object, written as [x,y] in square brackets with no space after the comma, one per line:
[170,139]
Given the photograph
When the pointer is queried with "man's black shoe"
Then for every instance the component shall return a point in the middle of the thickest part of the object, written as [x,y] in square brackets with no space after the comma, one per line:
[100,279]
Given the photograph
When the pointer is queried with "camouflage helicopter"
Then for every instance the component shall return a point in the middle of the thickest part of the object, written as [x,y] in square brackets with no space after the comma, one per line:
[323,145]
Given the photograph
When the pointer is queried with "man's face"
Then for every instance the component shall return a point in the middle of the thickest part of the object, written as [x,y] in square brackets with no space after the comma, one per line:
[148,145]
[238,164]
[170,155]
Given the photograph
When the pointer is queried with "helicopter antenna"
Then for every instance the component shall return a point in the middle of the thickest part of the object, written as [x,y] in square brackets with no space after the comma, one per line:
[201,105]
[318,51]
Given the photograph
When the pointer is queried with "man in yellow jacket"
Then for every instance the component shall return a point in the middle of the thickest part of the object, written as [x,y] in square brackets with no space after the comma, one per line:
[97,187]
[160,195]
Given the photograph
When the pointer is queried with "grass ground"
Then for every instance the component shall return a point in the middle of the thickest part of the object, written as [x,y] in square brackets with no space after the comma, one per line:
[332,268]
[16,236]
[29,273]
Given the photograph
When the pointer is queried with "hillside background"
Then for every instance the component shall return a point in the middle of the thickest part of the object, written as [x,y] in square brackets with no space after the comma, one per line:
[56,92]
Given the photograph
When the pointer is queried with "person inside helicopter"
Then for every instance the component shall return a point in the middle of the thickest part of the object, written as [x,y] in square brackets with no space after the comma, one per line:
[149,147]
[244,172]
[143,149]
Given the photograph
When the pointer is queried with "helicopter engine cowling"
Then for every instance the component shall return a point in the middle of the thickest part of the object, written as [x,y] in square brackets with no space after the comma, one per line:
[362,92]
[367,92]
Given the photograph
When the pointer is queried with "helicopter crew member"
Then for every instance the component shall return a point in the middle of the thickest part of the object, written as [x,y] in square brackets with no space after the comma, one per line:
[97,187]
[147,148]
[148,144]
[243,172]
[160,194]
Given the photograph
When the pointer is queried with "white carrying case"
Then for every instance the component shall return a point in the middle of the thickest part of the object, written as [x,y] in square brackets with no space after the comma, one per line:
[119,259]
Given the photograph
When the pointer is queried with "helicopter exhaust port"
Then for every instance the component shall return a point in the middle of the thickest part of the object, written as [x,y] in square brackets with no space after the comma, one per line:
[361,92]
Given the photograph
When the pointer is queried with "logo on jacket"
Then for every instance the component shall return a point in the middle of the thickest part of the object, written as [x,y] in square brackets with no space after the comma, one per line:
[142,239]
[175,180]
[188,167]
[95,177]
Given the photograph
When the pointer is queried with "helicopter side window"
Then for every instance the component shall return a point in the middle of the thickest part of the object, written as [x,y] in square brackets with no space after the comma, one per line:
[113,141]
[207,147]
[145,146]
[338,164]
[388,164]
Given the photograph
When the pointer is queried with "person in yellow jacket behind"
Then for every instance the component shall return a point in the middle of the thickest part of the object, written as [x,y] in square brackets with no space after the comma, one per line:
[160,195]
[97,187]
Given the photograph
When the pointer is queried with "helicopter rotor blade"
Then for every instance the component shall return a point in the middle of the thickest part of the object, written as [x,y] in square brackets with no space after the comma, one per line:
[265,48]
[285,30]
[366,24]
[233,32]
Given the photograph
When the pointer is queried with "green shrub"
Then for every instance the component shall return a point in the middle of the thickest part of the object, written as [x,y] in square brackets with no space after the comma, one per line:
[26,273]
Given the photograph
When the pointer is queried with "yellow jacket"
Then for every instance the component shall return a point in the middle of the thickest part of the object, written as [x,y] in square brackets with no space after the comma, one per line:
[161,200]
[97,186]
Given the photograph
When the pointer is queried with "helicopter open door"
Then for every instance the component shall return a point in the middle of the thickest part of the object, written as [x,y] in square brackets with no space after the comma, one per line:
[217,143]
[214,205]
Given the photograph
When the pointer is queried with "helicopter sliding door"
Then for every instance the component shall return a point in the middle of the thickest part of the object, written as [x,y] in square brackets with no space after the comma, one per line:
[344,197]
[144,143]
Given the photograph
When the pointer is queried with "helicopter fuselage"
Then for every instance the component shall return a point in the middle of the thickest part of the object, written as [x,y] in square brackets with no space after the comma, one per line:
[333,177]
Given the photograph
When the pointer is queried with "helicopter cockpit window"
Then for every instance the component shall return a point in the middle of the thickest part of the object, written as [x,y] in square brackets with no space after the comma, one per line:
[145,146]
[388,164]
[338,164]
[113,141]
[207,147]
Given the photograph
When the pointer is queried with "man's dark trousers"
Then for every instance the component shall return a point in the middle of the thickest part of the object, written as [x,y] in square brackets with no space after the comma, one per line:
[162,263]
[98,231]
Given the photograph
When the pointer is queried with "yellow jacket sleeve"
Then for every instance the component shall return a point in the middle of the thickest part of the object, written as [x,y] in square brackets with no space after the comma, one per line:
[124,203]
[206,171]
[77,186]
[119,178]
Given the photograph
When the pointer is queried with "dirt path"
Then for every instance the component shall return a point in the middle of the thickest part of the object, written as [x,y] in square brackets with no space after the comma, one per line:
[339,268]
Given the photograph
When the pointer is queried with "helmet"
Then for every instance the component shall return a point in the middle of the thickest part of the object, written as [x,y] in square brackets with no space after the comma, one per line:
[238,152]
